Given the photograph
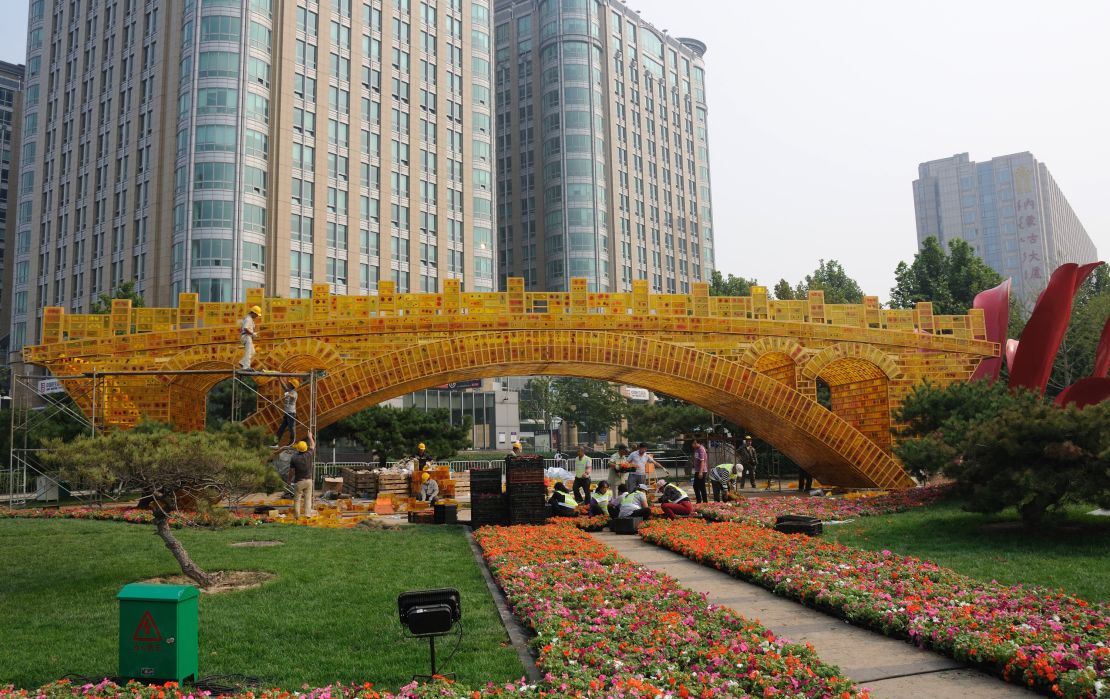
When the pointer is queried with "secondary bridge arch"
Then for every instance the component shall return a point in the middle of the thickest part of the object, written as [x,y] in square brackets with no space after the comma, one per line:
[825,444]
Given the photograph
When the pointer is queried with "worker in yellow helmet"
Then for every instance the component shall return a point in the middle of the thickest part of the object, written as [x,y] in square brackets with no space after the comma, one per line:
[300,474]
[421,456]
[429,489]
[517,451]
[289,412]
[246,336]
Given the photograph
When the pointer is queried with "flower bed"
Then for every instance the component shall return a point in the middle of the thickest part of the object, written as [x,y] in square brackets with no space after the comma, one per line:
[608,627]
[131,515]
[64,689]
[585,523]
[1050,641]
[763,510]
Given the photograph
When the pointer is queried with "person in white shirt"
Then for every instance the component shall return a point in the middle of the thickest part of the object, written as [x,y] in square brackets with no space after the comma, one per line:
[640,459]
[634,503]
[618,459]
[246,336]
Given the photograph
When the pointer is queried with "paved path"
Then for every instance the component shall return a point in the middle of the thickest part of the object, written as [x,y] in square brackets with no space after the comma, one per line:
[891,668]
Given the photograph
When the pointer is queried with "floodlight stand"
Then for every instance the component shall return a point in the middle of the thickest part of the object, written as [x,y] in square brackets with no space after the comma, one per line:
[429,678]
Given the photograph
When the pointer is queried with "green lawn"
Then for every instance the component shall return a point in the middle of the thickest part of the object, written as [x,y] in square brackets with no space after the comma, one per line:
[1071,554]
[329,615]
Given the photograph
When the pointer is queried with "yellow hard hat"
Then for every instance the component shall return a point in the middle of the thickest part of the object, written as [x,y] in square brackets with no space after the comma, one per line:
[294,382]
[420,446]
[516,445]
[424,476]
[257,310]
[302,446]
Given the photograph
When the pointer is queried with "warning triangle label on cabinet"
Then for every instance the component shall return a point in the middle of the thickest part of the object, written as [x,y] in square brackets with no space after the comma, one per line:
[147,630]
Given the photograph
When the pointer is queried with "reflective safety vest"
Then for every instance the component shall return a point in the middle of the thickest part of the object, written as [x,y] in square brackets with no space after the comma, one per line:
[724,471]
[628,499]
[681,493]
[581,466]
[567,499]
[602,499]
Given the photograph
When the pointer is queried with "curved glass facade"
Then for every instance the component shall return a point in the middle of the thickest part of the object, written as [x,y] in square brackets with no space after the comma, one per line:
[573,135]
[221,169]
[603,160]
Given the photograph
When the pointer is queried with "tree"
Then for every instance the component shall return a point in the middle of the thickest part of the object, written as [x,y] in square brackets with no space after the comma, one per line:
[1037,458]
[1007,448]
[218,407]
[785,292]
[54,421]
[732,286]
[594,406]
[126,290]
[831,278]
[170,469]
[660,421]
[540,401]
[950,281]
[396,432]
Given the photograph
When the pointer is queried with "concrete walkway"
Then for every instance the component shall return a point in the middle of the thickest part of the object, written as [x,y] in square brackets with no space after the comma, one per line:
[891,668]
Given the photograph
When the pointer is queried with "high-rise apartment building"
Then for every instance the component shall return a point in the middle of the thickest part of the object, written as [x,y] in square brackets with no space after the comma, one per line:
[218,145]
[602,148]
[1009,210]
[11,85]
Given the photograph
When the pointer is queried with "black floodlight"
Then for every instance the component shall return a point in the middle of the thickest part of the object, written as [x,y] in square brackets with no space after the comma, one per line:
[430,613]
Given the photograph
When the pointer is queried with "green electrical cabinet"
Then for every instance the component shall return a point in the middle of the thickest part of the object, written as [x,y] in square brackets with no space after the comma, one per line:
[158,632]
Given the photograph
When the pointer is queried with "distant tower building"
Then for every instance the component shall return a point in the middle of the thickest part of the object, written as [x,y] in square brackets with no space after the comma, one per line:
[602,148]
[11,83]
[1010,211]
[212,146]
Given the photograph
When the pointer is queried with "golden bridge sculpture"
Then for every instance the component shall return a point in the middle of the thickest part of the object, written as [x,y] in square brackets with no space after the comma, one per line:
[753,360]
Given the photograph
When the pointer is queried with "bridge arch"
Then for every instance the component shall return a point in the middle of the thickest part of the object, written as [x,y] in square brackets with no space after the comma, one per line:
[859,379]
[831,448]
[189,393]
[777,357]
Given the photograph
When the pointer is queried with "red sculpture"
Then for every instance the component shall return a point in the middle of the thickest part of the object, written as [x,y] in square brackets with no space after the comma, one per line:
[1030,360]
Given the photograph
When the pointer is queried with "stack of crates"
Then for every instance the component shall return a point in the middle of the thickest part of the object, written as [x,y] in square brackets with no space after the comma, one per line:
[360,482]
[526,489]
[487,502]
[393,484]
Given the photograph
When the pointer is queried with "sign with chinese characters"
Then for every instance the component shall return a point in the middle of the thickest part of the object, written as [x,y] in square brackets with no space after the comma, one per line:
[50,386]
[1029,227]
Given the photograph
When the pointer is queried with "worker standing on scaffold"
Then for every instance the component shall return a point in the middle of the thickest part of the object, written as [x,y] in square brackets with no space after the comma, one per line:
[289,412]
[246,336]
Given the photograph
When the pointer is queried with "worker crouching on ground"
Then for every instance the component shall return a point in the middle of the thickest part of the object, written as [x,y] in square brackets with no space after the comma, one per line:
[615,504]
[289,412]
[300,473]
[719,477]
[246,336]
[429,489]
[635,503]
[599,501]
[675,501]
[563,501]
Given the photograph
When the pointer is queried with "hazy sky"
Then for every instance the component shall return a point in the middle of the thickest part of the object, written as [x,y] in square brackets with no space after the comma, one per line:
[819,113]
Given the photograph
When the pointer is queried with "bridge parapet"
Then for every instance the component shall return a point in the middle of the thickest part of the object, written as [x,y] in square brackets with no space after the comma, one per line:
[588,309]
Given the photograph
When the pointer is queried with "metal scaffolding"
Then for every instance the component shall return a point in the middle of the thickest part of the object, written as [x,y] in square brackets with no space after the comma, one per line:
[26,478]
